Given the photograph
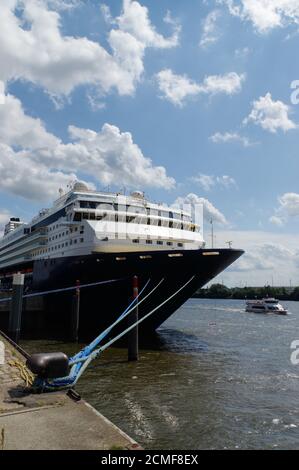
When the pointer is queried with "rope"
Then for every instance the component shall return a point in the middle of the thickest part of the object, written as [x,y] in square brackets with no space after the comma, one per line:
[128,310]
[145,317]
[65,289]
[25,374]
[71,380]
[103,348]
[15,345]
[5,299]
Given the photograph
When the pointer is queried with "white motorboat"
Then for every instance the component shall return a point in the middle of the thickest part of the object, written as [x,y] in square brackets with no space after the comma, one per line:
[267,305]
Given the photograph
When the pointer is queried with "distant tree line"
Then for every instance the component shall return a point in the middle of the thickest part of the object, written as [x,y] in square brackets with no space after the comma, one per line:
[219,291]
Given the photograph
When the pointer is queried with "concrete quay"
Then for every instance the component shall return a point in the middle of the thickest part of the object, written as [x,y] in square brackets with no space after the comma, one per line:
[50,421]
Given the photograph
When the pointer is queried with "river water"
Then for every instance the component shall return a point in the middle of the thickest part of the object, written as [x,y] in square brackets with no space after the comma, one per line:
[216,378]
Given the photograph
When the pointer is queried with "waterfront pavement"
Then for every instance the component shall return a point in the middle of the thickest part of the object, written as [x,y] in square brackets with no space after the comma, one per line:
[50,421]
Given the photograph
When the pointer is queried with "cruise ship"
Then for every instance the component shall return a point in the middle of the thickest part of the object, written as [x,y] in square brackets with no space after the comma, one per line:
[90,237]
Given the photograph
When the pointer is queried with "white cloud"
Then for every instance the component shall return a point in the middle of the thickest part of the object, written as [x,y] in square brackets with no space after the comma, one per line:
[265,15]
[110,155]
[267,255]
[64,4]
[288,207]
[4,217]
[275,220]
[26,177]
[270,115]
[177,88]
[229,84]
[226,137]
[207,182]
[289,204]
[19,129]
[33,48]
[135,21]
[34,163]
[210,32]
[209,210]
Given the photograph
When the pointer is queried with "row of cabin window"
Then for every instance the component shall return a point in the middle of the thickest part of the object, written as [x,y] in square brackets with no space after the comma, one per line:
[58,247]
[159,242]
[128,219]
[129,208]
[61,235]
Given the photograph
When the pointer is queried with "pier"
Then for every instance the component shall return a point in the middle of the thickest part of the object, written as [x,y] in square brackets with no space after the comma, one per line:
[49,421]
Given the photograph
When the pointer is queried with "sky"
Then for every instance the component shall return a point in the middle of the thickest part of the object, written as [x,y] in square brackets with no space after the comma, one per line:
[184,99]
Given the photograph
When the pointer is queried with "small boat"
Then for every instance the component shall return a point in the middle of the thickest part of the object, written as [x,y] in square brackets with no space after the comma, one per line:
[267,305]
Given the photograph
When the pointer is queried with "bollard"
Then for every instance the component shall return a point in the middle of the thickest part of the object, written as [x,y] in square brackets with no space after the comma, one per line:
[16,306]
[75,315]
[133,334]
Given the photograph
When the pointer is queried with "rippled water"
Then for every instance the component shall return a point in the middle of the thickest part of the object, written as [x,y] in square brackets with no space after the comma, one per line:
[217,378]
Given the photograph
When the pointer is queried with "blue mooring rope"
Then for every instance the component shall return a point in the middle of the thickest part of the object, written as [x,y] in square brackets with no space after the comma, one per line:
[81,363]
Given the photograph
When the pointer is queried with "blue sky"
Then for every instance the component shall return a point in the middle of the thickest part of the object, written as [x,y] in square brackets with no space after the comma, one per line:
[201,88]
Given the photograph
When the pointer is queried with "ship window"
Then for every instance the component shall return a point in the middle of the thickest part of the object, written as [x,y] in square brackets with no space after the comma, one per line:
[136,240]
[169,243]
[75,241]
[76,229]
[66,244]
[149,242]
[81,240]
[180,244]
[159,242]
[85,215]
[154,212]
[77,217]
[71,242]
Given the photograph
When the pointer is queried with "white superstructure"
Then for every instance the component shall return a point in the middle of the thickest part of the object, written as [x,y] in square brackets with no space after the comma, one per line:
[85,222]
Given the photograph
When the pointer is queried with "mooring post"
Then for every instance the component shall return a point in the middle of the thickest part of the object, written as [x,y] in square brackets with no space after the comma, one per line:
[16,307]
[75,318]
[133,334]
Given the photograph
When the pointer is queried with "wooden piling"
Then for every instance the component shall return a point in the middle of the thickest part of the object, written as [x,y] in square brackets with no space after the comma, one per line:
[16,307]
[133,340]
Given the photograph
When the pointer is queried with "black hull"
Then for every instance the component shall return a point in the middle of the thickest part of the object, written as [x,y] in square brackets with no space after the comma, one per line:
[101,305]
